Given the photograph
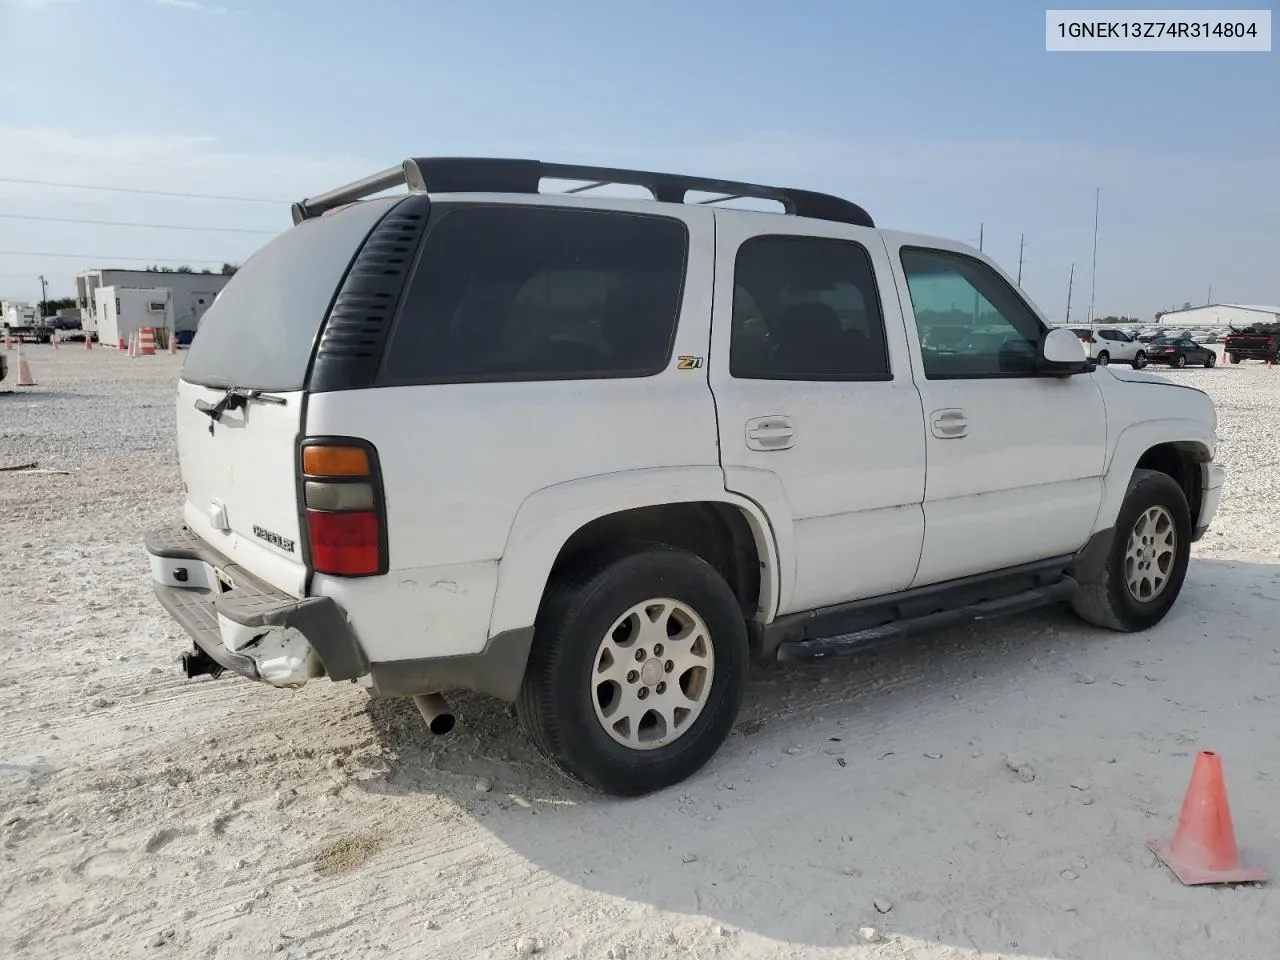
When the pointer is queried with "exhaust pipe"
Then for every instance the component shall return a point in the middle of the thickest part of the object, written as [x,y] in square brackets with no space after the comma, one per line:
[435,710]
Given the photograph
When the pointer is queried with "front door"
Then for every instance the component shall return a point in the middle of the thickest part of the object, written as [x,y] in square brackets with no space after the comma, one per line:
[1015,458]
[815,403]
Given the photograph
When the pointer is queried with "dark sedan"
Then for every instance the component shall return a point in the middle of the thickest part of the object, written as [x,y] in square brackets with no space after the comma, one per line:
[1180,352]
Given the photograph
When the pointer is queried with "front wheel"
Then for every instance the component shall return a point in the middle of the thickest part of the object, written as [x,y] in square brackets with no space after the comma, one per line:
[1147,560]
[1139,360]
[1210,360]
[637,671]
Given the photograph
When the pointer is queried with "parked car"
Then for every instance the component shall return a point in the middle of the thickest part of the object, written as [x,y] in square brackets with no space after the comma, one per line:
[1108,344]
[594,456]
[1179,352]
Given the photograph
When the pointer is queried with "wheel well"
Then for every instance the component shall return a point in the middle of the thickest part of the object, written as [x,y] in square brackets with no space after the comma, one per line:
[716,532]
[1182,464]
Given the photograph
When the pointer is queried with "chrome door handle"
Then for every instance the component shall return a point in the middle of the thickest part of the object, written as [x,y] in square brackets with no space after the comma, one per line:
[770,433]
[949,424]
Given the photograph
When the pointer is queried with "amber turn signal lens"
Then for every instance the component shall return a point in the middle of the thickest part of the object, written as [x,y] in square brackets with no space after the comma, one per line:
[335,462]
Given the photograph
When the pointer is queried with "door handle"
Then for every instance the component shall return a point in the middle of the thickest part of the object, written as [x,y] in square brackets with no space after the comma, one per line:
[949,424]
[770,433]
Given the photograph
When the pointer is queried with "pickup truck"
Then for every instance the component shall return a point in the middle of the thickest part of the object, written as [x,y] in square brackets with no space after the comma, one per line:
[1259,341]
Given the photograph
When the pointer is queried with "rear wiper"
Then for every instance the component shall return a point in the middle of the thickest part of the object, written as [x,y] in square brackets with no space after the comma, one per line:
[235,398]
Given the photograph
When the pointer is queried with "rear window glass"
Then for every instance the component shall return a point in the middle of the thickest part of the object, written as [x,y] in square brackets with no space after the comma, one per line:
[537,293]
[259,331]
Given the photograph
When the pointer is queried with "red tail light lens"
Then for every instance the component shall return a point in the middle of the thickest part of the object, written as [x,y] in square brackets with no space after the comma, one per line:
[344,544]
[346,519]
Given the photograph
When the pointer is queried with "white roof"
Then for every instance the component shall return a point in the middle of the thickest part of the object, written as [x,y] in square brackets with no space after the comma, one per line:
[1260,308]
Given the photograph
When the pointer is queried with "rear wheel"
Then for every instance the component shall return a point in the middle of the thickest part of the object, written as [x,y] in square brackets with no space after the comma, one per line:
[1180,360]
[1139,359]
[1234,358]
[1147,561]
[637,670]
[1104,358]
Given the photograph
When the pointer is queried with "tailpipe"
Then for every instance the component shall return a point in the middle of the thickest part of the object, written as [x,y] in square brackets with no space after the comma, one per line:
[435,710]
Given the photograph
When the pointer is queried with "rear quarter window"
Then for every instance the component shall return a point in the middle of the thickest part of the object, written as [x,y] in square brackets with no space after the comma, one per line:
[539,293]
[260,330]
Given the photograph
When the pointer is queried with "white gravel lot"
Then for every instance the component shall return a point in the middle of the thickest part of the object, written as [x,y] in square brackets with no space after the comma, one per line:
[144,815]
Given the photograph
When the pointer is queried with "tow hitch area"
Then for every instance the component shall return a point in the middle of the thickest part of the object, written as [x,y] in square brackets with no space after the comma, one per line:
[197,663]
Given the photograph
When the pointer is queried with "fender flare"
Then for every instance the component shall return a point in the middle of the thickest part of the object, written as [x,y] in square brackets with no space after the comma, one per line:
[1129,447]
[549,517]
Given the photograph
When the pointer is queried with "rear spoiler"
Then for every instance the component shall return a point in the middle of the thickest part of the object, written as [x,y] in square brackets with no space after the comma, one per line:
[502,175]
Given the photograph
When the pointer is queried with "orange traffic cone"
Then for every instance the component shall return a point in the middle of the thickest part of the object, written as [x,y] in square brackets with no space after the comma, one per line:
[88,342]
[8,344]
[121,345]
[24,370]
[54,340]
[1204,847]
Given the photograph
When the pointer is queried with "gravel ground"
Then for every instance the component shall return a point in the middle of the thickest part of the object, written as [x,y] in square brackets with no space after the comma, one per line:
[142,814]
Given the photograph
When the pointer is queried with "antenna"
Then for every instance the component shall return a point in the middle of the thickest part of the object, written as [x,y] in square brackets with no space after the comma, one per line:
[1070,281]
[1021,243]
[1093,271]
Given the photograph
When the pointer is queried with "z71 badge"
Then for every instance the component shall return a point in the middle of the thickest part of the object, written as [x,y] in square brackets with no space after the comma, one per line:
[274,539]
[688,363]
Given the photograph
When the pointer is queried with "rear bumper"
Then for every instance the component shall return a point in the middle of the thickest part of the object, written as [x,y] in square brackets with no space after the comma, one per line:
[245,625]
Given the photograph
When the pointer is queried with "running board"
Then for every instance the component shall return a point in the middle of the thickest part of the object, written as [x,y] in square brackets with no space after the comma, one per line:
[799,651]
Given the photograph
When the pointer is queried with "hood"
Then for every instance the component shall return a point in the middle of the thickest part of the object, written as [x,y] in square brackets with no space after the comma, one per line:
[1129,375]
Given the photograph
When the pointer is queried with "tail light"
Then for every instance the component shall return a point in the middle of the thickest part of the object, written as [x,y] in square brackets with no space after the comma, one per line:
[346,514]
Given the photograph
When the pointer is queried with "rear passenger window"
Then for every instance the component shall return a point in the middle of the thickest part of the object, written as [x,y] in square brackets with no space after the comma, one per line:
[806,308]
[540,293]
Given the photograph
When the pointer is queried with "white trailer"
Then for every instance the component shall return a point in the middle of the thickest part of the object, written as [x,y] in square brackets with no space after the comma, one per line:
[122,311]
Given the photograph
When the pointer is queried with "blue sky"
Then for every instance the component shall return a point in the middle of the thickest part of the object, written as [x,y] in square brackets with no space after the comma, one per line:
[935,116]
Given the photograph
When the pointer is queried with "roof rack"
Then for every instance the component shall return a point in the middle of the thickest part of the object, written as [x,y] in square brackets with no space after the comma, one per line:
[501,175]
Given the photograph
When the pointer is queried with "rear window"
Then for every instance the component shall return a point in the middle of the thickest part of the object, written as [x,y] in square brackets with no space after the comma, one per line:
[259,331]
[539,293]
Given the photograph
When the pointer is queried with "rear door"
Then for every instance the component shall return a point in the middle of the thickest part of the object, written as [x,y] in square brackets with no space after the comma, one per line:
[238,471]
[814,395]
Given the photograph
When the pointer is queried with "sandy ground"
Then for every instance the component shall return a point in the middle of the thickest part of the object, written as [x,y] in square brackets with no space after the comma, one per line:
[144,815]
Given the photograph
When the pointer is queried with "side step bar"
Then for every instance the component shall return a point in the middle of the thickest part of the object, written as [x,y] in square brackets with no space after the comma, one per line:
[800,651]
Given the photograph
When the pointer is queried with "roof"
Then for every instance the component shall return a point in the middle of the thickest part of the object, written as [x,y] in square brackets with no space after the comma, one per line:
[1259,308]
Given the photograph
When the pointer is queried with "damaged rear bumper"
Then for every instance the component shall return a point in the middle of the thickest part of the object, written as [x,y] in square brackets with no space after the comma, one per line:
[246,626]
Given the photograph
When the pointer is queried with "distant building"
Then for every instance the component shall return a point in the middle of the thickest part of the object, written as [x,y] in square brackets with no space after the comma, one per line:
[123,311]
[1221,315]
[192,294]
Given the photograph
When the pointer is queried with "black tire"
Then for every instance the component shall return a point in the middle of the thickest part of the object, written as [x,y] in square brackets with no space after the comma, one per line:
[1180,360]
[1234,358]
[556,707]
[1139,360]
[1107,601]
[1210,360]
[1104,358]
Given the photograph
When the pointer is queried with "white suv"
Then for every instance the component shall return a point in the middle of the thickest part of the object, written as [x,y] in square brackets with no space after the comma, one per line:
[1107,345]
[593,456]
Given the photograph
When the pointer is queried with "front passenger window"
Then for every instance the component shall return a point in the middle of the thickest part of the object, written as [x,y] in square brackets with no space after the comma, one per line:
[972,324]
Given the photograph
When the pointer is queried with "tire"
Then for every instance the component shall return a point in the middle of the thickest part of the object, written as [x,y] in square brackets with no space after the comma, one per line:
[1104,358]
[586,611]
[1210,360]
[1109,601]
[1180,361]
[1139,360]
[1234,358]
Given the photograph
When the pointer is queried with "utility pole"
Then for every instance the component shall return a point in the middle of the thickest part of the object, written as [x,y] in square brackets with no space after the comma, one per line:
[1093,271]
[44,297]
[1070,281]
[1021,243]
[1209,299]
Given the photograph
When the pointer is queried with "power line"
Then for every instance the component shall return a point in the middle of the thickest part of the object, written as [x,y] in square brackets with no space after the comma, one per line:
[150,193]
[94,256]
[122,223]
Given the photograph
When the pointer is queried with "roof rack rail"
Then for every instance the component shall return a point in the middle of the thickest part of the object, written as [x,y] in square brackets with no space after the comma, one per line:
[501,175]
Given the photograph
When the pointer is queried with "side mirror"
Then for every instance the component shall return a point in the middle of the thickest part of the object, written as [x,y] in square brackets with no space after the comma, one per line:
[1062,354]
